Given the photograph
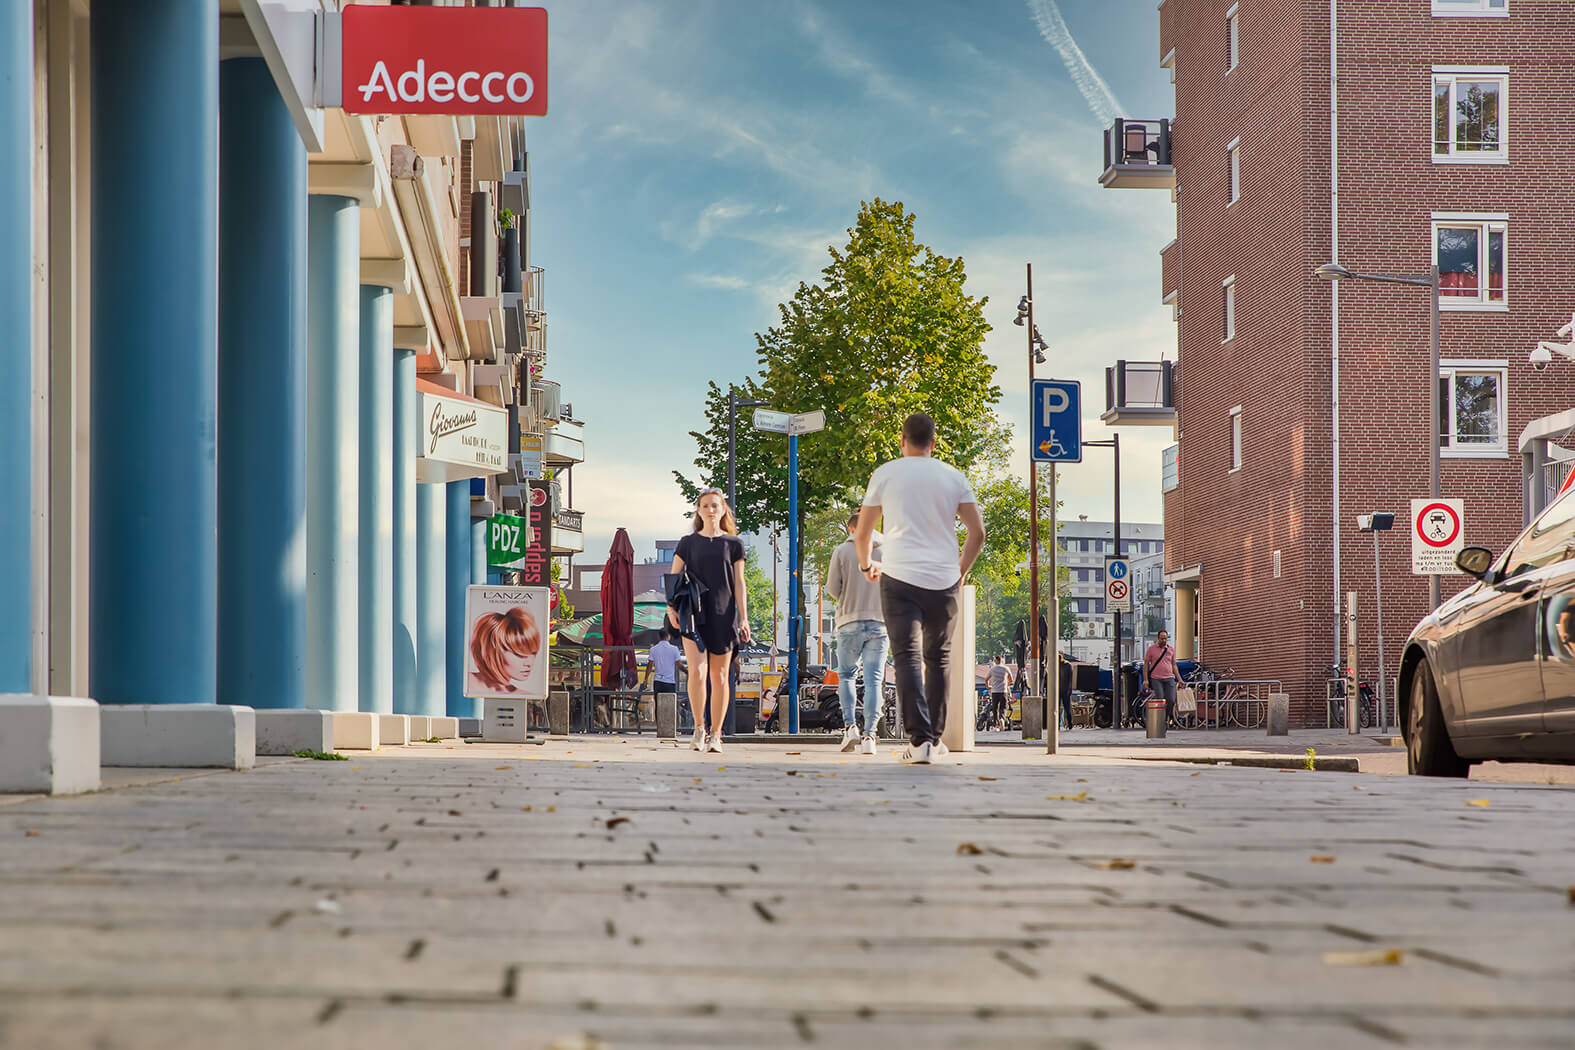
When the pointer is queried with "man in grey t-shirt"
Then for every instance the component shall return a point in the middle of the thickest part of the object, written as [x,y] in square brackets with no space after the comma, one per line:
[861,639]
[920,573]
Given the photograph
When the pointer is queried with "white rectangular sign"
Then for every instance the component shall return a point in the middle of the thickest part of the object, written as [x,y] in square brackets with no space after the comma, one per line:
[776,422]
[807,422]
[1118,585]
[506,632]
[1438,532]
[460,438]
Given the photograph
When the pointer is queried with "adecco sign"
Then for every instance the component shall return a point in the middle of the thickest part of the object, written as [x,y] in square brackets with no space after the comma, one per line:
[444,60]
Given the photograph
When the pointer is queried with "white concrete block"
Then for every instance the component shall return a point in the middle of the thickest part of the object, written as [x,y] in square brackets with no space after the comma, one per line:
[356,730]
[420,727]
[503,721]
[957,733]
[180,736]
[284,731]
[445,728]
[393,730]
[48,744]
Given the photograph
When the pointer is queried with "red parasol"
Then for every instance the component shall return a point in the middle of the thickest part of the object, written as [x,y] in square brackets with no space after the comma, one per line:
[618,611]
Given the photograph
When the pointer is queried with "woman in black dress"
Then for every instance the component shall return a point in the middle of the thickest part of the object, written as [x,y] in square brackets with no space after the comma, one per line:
[714,555]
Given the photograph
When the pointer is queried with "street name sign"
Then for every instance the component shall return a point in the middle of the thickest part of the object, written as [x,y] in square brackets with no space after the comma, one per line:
[1118,585]
[1438,533]
[776,422]
[807,422]
[1056,421]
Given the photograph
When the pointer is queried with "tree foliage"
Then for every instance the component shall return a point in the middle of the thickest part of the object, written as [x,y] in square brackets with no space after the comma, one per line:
[758,586]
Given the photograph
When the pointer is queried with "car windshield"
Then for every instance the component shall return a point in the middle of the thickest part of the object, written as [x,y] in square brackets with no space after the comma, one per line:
[1546,542]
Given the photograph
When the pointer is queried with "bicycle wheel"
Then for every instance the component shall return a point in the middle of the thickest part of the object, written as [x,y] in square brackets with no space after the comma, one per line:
[1254,712]
[1187,720]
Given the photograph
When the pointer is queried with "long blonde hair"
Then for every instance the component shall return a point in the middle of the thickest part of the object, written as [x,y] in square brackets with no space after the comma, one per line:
[728,524]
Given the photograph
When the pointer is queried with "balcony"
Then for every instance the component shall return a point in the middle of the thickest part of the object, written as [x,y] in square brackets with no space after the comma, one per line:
[1140,394]
[565,444]
[1137,156]
[568,532]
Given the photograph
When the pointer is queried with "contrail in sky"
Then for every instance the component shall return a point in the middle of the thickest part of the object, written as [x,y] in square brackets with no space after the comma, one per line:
[1095,91]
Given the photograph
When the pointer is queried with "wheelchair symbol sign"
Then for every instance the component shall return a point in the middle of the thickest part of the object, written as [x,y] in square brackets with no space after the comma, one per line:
[1055,411]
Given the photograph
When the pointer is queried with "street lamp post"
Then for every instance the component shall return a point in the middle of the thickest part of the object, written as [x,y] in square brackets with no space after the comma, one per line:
[733,405]
[1036,355]
[1333,271]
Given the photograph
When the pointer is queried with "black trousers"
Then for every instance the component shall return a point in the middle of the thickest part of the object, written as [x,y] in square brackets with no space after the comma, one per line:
[919,625]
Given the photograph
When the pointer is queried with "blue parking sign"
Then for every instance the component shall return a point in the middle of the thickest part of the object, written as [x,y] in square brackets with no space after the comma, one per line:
[1056,421]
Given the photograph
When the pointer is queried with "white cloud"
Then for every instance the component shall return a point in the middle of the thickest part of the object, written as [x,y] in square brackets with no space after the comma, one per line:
[726,282]
[1101,100]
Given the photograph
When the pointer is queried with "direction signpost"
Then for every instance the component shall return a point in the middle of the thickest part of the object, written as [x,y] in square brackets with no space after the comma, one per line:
[1055,411]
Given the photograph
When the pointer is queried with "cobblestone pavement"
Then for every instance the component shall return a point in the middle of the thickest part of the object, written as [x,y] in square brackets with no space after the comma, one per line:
[614,893]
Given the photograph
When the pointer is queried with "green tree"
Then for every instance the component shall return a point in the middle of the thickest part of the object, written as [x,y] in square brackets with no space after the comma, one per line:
[759,588]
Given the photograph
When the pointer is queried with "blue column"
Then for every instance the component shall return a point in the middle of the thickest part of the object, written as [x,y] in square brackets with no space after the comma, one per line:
[458,526]
[431,600]
[333,428]
[377,499]
[262,393]
[16,347]
[406,434]
[478,550]
[153,487]
[793,584]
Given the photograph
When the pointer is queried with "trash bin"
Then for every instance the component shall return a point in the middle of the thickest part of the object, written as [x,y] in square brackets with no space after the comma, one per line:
[746,715]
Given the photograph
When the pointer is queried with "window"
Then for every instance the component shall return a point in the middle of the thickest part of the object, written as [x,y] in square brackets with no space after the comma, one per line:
[1469,252]
[1469,110]
[1471,420]
[1233,151]
[1232,40]
[1470,7]
[1230,309]
[1235,439]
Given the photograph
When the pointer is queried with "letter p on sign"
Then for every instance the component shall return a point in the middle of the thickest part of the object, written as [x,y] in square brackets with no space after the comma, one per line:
[453,61]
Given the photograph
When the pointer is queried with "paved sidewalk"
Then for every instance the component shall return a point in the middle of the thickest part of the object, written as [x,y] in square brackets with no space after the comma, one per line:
[623,894]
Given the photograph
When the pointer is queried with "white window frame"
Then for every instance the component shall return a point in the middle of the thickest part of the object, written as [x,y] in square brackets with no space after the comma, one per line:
[1448,369]
[1232,38]
[1233,153]
[1486,223]
[1229,286]
[1470,8]
[1455,74]
[1235,439]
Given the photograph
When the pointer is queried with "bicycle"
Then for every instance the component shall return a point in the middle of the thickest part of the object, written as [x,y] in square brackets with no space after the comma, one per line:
[1364,705]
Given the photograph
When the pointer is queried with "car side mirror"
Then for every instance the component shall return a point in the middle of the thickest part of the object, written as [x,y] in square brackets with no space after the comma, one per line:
[1475,561]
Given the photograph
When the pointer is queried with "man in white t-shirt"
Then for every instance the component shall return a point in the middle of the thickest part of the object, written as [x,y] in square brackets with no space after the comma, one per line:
[920,573]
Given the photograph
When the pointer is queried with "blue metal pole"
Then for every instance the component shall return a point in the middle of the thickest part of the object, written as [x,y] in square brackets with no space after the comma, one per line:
[16,347]
[333,425]
[478,551]
[403,543]
[262,393]
[154,475]
[431,600]
[377,500]
[793,609]
[458,525]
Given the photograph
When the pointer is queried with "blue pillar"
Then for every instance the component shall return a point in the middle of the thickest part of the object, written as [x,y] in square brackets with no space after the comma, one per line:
[333,427]
[431,600]
[377,499]
[478,550]
[16,347]
[793,584]
[153,487]
[262,393]
[406,435]
[458,526]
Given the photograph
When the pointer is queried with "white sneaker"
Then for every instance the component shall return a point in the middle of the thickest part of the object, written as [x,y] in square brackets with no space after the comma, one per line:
[850,738]
[698,743]
[714,743]
[916,755]
[939,750]
[868,747]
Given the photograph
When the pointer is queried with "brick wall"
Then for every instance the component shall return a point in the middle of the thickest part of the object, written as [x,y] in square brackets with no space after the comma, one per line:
[1278,365]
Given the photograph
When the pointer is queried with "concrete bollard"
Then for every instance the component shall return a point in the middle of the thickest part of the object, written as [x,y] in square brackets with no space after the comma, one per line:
[667,716]
[1033,717]
[1279,714]
[558,712]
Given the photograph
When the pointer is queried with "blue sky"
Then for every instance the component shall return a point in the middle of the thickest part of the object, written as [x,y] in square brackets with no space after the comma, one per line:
[699,157]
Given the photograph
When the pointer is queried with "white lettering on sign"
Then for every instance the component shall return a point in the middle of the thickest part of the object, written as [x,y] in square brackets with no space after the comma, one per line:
[414,85]
[1055,402]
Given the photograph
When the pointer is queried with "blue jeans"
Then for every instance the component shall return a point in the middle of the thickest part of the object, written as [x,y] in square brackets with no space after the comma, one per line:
[862,642]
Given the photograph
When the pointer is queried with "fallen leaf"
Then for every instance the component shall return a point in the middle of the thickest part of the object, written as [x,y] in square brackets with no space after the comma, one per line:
[1194,774]
[614,822]
[720,768]
[1379,957]
[552,809]
[1357,787]
[32,833]
[1572,894]
[502,767]
[1321,858]
[981,778]
[1080,796]
[1479,802]
[354,767]
[1117,864]
[968,849]
[1081,780]
[455,813]
[699,780]
[794,752]
[525,809]
[581,765]
[792,772]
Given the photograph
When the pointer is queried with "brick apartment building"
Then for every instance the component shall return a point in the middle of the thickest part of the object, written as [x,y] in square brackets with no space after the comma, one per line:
[1299,404]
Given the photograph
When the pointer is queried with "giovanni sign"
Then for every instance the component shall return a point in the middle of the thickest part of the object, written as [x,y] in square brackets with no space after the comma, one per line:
[444,60]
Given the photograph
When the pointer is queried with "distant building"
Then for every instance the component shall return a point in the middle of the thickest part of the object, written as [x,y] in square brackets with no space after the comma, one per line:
[1082,547]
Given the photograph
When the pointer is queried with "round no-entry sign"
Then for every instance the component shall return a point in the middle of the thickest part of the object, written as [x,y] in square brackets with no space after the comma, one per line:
[1438,524]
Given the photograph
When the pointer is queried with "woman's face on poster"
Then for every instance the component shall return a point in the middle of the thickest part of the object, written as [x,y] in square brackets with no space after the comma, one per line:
[519,668]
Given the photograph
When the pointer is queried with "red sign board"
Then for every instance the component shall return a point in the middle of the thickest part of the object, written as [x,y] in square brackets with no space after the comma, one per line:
[446,60]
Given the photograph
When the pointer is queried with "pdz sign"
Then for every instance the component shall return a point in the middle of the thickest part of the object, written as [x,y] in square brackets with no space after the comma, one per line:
[508,538]
[481,61]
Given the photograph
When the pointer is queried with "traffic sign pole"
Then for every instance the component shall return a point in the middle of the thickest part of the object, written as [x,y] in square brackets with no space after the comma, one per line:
[793,609]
